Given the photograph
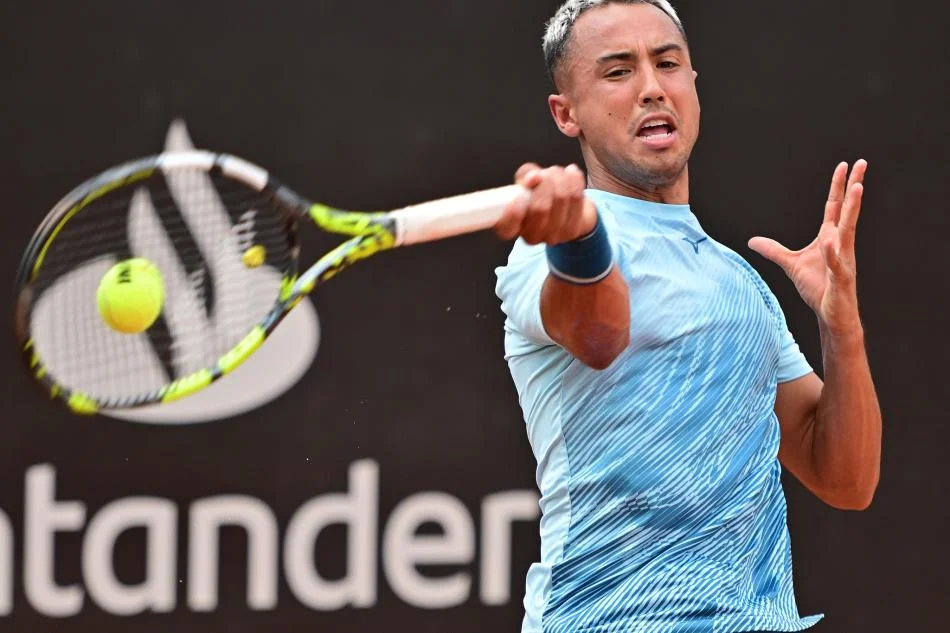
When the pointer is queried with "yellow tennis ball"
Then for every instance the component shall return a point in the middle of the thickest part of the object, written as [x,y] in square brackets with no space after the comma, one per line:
[255,256]
[131,295]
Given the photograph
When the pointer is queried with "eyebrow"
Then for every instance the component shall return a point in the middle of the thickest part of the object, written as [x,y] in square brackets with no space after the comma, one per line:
[629,55]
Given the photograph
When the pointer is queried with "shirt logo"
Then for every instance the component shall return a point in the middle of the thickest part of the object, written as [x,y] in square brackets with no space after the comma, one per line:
[696,244]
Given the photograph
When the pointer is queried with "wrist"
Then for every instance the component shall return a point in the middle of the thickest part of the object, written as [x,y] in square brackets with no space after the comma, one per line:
[842,338]
[584,261]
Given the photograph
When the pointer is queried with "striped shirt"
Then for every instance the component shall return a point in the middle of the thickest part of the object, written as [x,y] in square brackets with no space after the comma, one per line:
[663,510]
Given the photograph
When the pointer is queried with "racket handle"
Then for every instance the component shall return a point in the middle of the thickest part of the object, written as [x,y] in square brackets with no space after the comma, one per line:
[449,217]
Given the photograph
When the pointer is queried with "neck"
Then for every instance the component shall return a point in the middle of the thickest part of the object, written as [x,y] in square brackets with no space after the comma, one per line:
[602,179]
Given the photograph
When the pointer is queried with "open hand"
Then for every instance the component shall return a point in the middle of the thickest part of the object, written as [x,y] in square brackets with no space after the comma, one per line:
[824,272]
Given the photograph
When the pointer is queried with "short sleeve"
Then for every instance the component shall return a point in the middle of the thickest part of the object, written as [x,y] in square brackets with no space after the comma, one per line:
[519,287]
[792,364]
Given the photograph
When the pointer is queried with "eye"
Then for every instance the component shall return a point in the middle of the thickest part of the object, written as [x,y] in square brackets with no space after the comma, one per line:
[617,73]
[667,65]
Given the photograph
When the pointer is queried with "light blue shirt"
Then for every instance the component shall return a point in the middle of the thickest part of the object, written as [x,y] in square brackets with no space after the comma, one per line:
[663,510]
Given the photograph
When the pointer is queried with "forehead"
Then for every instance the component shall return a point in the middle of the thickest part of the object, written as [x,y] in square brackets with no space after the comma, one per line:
[616,27]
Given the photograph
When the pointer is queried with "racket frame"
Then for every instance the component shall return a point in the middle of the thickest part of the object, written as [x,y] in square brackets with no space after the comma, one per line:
[370,233]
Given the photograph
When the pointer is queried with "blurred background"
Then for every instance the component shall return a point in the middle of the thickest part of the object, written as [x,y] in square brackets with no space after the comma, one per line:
[381,479]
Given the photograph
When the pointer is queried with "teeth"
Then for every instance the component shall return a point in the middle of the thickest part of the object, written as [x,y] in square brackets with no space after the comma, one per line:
[655,124]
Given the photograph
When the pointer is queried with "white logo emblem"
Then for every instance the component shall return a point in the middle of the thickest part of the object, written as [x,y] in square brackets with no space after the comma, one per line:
[266,375]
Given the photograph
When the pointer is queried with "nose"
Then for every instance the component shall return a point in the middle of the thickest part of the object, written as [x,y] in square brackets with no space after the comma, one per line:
[651,91]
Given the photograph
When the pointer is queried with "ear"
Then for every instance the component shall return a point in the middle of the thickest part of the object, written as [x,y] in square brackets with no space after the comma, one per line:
[563,112]
[696,88]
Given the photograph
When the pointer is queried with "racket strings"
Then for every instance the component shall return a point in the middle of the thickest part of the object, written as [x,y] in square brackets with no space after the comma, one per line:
[196,228]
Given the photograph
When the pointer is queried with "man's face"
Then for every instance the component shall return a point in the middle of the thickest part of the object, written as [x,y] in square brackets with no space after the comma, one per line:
[630,92]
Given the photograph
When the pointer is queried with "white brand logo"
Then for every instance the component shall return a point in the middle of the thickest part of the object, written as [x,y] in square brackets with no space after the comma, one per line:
[266,375]
[196,279]
[391,544]
[244,230]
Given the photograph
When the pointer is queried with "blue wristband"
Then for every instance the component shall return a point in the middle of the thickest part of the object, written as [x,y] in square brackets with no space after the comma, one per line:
[584,261]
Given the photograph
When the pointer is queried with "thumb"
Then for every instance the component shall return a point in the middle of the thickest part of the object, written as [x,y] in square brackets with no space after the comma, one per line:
[773,251]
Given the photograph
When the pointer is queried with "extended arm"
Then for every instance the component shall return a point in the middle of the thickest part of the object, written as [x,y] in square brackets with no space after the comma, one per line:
[590,321]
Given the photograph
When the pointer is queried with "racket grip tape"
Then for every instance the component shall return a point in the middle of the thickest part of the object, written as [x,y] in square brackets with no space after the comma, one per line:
[453,216]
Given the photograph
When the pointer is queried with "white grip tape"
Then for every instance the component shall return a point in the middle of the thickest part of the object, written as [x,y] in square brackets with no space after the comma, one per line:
[449,217]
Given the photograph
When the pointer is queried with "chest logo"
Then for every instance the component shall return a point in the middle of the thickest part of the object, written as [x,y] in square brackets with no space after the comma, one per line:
[695,244]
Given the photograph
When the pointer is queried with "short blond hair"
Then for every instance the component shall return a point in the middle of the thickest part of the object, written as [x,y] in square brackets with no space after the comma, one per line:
[558,31]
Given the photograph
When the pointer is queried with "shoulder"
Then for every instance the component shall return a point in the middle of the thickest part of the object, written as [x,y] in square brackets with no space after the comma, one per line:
[527,266]
[755,278]
[738,260]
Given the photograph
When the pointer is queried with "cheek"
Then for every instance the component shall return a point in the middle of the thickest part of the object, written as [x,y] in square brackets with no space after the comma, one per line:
[687,104]
[613,104]
[607,118]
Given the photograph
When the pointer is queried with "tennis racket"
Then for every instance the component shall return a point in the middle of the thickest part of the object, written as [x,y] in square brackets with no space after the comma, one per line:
[222,234]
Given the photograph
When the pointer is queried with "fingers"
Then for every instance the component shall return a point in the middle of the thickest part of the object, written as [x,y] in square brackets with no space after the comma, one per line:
[836,195]
[509,226]
[847,220]
[524,170]
[552,211]
[847,227]
[832,256]
[774,252]
[545,212]
[578,220]
[857,174]
[839,190]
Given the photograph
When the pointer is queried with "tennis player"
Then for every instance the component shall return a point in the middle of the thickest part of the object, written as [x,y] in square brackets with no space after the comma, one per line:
[661,387]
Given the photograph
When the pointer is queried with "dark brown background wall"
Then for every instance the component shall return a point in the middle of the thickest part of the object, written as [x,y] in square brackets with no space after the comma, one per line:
[376,104]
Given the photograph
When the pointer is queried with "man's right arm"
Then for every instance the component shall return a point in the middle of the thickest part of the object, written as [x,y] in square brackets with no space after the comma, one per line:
[592,321]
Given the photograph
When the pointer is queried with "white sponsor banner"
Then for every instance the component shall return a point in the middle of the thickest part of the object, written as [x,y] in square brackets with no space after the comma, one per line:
[388,544]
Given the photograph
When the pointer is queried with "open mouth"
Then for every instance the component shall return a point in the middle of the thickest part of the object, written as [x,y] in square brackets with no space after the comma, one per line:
[657,130]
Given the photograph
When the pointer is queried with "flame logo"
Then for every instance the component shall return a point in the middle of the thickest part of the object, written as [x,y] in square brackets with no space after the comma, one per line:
[265,376]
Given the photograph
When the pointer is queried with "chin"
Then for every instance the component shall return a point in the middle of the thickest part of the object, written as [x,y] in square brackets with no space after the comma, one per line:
[656,171]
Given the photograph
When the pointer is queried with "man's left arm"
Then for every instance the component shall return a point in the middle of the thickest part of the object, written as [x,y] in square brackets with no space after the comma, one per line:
[831,430]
